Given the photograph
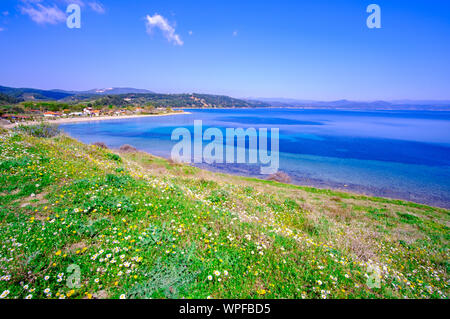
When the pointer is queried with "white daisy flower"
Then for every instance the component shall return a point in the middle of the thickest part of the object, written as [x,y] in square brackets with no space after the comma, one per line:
[4,294]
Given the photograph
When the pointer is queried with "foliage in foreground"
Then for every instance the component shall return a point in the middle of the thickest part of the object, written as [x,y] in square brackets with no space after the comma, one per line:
[44,130]
[136,226]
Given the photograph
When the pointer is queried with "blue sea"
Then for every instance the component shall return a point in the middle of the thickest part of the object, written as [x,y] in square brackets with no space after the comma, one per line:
[394,154]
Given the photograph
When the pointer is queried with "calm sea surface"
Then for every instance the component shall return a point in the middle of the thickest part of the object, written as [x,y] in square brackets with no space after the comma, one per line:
[396,154]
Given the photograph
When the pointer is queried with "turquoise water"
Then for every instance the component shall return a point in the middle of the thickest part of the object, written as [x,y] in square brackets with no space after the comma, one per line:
[396,154]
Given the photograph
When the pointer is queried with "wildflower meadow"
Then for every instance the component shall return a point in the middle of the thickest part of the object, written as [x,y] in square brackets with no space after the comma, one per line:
[81,221]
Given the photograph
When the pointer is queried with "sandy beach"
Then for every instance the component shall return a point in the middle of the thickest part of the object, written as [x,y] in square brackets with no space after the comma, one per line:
[90,119]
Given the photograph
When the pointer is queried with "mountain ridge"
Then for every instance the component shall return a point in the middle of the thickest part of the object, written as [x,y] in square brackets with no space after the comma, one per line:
[122,95]
[380,104]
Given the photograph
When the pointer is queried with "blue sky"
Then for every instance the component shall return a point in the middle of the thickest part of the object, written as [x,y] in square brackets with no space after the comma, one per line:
[312,49]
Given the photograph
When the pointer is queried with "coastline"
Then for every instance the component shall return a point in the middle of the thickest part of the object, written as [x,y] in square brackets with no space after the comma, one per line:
[299,180]
[90,119]
[88,191]
[382,190]
[336,108]
[386,193]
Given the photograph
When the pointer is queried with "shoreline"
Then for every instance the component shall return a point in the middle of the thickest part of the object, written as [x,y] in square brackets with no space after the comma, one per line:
[90,119]
[301,181]
[324,185]
[318,184]
[359,109]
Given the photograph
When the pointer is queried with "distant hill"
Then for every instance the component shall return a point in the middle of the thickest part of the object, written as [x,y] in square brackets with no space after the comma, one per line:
[131,96]
[366,105]
[176,101]
[8,100]
[112,91]
[124,97]
[37,94]
[34,94]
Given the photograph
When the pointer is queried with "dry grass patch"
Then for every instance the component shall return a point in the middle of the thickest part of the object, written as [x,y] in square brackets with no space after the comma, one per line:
[34,201]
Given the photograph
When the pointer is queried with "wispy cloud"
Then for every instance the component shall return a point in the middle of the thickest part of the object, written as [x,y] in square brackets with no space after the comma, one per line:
[1,29]
[159,22]
[235,33]
[43,14]
[97,7]
[79,2]
[43,11]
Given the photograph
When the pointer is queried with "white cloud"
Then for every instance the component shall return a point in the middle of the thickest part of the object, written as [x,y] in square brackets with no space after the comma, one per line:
[79,2]
[43,14]
[55,2]
[1,29]
[190,32]
[235,33]
[97,7]
[158,21]
[42,11]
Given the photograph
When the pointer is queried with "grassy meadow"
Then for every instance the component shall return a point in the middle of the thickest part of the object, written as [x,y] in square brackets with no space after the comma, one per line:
[131,225]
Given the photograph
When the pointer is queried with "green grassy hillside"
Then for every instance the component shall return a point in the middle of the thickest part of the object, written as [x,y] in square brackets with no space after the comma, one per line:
[137,226]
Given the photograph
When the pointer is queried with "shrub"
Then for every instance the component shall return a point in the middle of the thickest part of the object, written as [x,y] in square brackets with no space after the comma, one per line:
[114,157]
[128,149]
[408,218]
[218,196]
[280,177]
[166,279]
[248,190]
[15,163]
[44,130]
[93,228]
[100,145]
[118,181]
[112,204]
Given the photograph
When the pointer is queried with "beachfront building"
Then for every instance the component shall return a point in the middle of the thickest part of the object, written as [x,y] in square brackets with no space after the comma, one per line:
[15,117]
[119,112]
[52,114]
[88,111]
[76,114]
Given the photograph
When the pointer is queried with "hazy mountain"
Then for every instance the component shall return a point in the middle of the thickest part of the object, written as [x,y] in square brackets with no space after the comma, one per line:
[124,96]
[113,91]
[281,100]
[37,94]
[421,102]
[115,96]
[33,94]
[346,104]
